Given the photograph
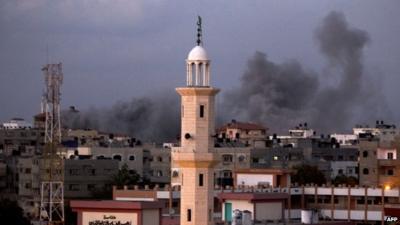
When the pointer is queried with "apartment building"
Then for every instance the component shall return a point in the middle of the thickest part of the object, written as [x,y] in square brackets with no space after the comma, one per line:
[243,132]
[85,177]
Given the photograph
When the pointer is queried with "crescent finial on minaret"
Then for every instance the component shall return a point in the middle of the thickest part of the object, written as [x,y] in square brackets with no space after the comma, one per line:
[199,31]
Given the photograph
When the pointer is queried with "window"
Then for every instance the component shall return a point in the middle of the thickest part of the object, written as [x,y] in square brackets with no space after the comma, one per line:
[117,157]
[74,187]
[390,172]
[390,155]
[201,111]
[340,158]
[175,173]
[365,154]
[201,176]
[227,174]
[131,158]
[100,157]
[28,185]
[340,171]
[159,173]
[74,172]
[365,171]
[189,215]
[28,170]
[241,158]
[159,159]
[91,187]
[227,158]
[91,172]
[276,158]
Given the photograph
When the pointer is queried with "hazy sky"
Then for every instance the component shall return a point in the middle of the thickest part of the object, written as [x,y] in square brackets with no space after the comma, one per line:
[118,49]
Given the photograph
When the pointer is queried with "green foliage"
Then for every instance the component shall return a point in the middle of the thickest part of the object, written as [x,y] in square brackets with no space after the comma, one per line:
[342,179]
[11,213]
[125,177]
[306,174]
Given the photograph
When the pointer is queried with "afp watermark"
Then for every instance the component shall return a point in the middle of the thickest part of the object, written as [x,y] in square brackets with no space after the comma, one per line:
[392,220]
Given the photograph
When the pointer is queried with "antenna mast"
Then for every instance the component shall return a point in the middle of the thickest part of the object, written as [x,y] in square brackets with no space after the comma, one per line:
[52,167]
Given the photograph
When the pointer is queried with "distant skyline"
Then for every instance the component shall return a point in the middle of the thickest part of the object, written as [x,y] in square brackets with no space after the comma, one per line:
[118,50]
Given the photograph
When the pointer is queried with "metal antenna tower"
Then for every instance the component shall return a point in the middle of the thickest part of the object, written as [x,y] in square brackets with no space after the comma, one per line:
[51,165]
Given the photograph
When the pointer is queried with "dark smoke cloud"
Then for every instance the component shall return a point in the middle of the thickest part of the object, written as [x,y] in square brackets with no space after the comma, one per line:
[149,118]
[279,95]
[276,93]
[342,46]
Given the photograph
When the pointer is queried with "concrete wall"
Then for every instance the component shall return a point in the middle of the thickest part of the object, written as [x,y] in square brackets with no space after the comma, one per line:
[269,211]
[254,179]
[151,217]
[88,217]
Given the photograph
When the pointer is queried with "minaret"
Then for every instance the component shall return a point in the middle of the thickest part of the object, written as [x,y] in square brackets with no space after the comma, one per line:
[195,157]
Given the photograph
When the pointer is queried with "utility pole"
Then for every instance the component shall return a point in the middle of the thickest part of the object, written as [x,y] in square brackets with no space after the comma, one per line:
[51,165]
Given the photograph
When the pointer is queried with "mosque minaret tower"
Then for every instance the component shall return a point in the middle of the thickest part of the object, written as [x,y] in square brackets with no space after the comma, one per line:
[196,155]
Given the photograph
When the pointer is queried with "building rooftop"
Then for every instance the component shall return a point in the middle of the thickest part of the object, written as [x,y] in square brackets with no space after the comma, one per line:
[242,126]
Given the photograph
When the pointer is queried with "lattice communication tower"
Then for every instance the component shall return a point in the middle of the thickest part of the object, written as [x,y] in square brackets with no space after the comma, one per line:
[51,165]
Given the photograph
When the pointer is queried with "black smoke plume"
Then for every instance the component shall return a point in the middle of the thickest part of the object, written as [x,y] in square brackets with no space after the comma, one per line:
[279,95]
[153,118]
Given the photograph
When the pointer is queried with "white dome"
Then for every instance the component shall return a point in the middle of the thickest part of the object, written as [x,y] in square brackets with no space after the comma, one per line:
[197,53]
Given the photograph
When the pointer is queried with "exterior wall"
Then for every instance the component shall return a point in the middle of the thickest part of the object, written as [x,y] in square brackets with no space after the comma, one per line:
[269,210]
[28,176]
[347,168]
[26,142]
[3,175]
[255,179]
[196,156]
[149,161]
[382,153]
[83,177]
[368,162]
[88,217]
[160,166]
[151,216]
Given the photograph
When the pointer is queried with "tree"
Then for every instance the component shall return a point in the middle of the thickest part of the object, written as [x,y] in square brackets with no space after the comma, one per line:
[306,174]
[125,177]
[342,179]
[11,213]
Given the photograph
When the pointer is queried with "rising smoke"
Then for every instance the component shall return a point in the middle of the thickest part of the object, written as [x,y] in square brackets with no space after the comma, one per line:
[279,95]
[149,118]
[276,95]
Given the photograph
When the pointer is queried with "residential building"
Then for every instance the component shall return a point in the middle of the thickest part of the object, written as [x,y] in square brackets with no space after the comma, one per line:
[83,178]
[244,132]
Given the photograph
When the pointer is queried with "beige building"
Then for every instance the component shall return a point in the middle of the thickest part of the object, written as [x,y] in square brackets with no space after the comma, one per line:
[196,156]
[244,132]
[378,162]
